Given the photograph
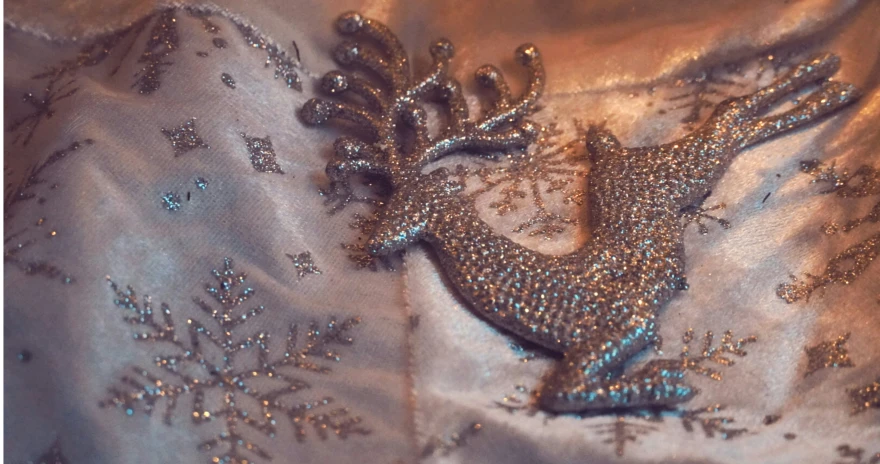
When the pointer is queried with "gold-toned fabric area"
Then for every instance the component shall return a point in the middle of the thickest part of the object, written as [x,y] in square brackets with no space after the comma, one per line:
[178,290]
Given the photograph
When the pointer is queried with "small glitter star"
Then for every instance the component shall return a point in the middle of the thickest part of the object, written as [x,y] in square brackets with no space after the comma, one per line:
[828,354]
[865,397]
[262,154]
[303,264]
[184,138]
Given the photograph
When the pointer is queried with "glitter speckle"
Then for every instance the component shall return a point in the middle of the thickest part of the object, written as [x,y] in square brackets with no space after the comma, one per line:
[162,42]
[866,397]
[228,80]
[53,455]
[171,201]
[828,354]
[843,269]
[184,138]
[24,356]
[219,43]
[285,67]
[444,446]
[201,183]
[568,303]
[224,394]
[856,455]
[262,154]
[303,264]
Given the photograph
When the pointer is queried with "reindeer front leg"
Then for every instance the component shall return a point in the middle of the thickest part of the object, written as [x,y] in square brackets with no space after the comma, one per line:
[583,379]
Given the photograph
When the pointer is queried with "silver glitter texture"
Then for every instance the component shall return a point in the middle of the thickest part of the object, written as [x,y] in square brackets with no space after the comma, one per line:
[184,138]
[53,455]
[597,305]
[856,456]
[163,41]
[303,264]
[171,201]
[440,446]
[285,67]
[245,390]
[864,182]
[828,354]
[228,80]
[865,397]
[852,263]
[843,269]
[262,154]
[15,243]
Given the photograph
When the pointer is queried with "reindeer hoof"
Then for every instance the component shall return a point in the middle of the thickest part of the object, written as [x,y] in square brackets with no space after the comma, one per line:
[315,112]
[350,22]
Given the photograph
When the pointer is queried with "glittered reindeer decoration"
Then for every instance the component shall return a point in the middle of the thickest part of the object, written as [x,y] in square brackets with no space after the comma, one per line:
[597,305]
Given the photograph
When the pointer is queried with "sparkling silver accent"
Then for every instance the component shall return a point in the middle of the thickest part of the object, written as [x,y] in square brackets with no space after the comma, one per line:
[597,305]
[184,138]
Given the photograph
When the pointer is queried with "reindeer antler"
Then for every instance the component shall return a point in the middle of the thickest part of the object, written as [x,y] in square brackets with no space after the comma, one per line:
[382,108]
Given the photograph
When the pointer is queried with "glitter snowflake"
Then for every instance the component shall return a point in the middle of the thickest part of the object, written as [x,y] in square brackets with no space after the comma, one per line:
[549,167]
[303,264]
[856,456]
[696,214]
[843,269]
[865,397]
[53,455]
[622,431]
[702,92]
[444,446]
[58,81]
[853,262]
[864,182]
[162,42]
[16,242]
[627,428]
[828,354]
[242,398]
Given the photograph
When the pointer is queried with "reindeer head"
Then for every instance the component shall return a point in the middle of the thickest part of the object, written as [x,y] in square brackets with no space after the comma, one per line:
[410,212]
[397,145]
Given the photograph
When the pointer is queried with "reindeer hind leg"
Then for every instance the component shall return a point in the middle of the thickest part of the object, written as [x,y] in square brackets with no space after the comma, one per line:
[582,380]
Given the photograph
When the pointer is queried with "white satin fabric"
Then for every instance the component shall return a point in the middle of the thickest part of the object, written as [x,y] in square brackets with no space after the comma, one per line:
[423,369]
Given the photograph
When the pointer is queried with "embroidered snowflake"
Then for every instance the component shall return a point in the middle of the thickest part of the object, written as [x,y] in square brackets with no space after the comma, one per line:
[242,397]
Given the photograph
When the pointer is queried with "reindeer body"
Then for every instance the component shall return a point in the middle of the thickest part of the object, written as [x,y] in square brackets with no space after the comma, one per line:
[598,304]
